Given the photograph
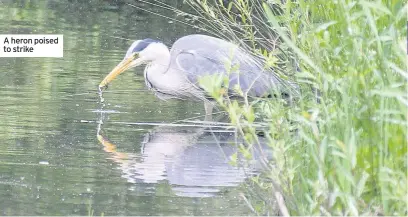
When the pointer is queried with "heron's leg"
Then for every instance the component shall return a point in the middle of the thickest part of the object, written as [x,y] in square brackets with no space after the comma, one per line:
[208,106]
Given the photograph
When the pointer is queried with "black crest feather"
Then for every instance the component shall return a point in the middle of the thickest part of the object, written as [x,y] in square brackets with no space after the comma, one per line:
[143,44]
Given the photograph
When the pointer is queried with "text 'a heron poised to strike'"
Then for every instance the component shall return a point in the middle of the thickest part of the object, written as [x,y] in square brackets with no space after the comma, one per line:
[175,73]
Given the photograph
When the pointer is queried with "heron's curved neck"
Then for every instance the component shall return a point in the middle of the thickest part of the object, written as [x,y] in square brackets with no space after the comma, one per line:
[157,68]
[161,61]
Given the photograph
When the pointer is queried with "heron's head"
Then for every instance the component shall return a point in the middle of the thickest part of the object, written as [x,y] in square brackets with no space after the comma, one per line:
[140,52]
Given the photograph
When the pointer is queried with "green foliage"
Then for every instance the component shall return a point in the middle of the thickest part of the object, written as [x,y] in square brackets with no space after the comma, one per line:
[347,154]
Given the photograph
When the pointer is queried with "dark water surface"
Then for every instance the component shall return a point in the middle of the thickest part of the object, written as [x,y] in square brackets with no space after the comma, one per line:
[55,159]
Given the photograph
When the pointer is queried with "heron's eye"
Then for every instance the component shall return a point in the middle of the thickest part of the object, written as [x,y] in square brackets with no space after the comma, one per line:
[135,55]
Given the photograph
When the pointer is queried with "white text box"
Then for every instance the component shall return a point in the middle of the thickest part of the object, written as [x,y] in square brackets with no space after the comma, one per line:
[30,45]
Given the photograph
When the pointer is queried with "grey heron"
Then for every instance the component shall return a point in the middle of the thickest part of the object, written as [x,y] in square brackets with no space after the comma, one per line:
[175,73]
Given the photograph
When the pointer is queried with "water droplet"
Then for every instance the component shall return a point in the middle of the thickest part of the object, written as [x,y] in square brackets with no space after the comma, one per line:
[43,163]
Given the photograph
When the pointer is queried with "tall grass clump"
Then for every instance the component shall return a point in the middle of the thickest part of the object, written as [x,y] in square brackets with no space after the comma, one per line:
[341,148]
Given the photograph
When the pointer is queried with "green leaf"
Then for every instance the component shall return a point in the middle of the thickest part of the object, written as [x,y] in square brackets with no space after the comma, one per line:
[324,26]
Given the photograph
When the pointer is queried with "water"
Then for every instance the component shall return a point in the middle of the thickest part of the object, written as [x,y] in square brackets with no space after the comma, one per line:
[56,158]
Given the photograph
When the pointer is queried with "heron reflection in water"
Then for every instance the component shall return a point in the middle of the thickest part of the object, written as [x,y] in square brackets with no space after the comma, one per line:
[194,162]
[176,73]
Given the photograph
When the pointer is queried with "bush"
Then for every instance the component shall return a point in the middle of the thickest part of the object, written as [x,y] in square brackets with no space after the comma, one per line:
[344,154]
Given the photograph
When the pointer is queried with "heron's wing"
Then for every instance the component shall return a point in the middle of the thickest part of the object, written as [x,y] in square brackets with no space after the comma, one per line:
[199,55]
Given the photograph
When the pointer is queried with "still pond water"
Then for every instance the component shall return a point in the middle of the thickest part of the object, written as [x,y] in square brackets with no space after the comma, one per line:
[55,156]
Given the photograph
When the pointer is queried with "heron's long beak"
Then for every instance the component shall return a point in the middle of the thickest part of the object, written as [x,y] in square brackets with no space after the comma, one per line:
[121,67]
